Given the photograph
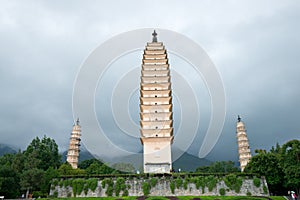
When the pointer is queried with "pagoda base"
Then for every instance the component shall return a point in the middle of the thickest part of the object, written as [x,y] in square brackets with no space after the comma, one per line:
[157,168]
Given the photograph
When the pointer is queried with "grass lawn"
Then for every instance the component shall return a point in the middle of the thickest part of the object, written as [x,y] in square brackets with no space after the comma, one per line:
[178,197]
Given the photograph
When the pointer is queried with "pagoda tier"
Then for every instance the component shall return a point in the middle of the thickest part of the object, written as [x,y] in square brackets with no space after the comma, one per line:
[156,109]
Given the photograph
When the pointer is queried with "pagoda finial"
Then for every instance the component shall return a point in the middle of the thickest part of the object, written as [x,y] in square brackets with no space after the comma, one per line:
[77,121]
[239,118]
[154,34]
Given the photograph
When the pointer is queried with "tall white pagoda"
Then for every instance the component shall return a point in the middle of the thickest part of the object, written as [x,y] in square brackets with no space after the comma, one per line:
[156,116]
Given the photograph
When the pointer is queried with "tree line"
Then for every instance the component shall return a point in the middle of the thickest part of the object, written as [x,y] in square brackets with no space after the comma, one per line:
[32,170]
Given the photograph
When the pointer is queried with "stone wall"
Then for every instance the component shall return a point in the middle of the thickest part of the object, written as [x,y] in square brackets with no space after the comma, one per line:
[158,186]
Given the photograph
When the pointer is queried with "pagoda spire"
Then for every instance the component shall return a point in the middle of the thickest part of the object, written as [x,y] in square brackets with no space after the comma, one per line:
[154,34]
[239,118]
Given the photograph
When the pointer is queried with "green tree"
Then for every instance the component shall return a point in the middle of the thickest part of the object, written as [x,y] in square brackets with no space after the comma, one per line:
[280,166]
[32,179]
[97,168]
[46,151]
[202,169]
[86,163]
[46,181]
[9,182]
[219,167]
[290,162]
[267,164]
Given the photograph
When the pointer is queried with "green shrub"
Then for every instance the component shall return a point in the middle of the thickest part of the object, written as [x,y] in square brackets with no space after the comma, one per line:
[92,184]
[256,182]
[265,189]
[74,188]
[125,193]
[38,194]
[178,182]
[153,182]
[61,183]
[120,185]
[146,188]
[222,191]
[238,185]
[55,194]
[110,187]
[78,185]
[211,182]
[249,193]
[109,191]
[103,183]
[86,189]
[230,180]
[67,182]
[172,187]
[55,182]
[185,184]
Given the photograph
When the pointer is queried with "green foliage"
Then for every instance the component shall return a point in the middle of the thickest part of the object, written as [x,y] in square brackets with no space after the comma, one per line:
[199,182]
[78,186]
[256,182]
[55,194]
[45,150]
[153,182]
[49,175]
[67,182]
[55,182]
[120,185]
[92,184]
[110,187]
[265,189]
[172,187]
[38,194]
[185,184]
[219,167]
[268,164]
[222,191]
[86,189]
[238,185]
[61,183]
[125,193]
[86,163]
[74,188]
[230,180]
[280,166]
[249,193]
[146,188]
[9,182]
[179,182]
[211,182]
[290,162]
[233,182]
[32,178]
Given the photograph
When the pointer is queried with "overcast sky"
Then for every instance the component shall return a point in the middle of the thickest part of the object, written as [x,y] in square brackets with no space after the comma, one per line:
[254,45]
